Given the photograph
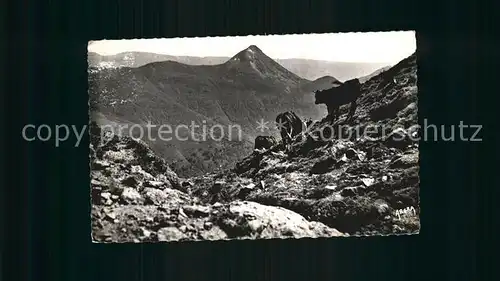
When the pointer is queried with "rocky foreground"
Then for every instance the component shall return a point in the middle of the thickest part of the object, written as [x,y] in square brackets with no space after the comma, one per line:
[366,184]
[136,197]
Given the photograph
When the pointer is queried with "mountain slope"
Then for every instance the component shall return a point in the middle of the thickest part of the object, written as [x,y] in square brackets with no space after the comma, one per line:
[360,184]
[136,197]
[244,90]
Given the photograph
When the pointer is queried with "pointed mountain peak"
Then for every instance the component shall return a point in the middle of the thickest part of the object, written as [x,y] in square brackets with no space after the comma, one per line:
[253,59]
[253,48]
[251,53]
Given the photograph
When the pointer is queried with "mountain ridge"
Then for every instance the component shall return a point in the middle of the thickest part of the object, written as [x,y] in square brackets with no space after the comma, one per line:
[241,92]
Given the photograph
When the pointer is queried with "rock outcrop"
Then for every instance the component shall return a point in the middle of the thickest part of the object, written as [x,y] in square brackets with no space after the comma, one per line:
[265,142]
[136,197]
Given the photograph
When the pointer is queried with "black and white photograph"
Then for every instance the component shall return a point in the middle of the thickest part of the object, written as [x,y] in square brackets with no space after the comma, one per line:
[254,137]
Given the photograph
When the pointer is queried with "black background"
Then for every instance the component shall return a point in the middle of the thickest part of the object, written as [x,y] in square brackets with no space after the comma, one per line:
[46,218]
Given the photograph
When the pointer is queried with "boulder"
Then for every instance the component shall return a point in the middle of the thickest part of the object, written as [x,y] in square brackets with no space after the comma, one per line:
[265,142]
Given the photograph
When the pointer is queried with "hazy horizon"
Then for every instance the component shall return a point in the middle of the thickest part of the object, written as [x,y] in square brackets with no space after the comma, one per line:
[384,47]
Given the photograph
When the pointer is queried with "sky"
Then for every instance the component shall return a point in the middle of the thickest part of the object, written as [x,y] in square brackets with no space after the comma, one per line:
[376,47]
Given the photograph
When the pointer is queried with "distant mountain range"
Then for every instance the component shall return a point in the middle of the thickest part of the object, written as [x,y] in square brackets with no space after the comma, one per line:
[245,89]
[305,68]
